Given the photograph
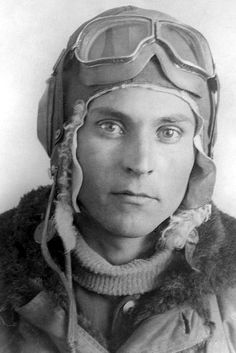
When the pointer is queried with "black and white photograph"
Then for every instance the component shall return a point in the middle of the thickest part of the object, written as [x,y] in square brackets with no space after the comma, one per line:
[118,176]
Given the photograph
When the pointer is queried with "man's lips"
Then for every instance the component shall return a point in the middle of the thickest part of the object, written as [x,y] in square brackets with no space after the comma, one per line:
[132,196]
[131,193]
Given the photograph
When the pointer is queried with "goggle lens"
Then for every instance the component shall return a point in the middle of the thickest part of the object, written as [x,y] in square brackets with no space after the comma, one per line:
[188,45]
[114,39]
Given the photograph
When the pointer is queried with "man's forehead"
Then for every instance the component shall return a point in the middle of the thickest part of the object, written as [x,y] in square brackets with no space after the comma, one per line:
[131,102]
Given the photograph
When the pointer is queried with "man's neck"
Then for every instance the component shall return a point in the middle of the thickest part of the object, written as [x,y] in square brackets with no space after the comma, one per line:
[114,248]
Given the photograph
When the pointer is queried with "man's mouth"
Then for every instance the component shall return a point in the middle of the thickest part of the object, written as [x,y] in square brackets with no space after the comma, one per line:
[132,197]
[132,193]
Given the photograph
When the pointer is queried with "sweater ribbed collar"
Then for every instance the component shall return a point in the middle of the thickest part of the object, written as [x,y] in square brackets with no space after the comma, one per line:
[96,274]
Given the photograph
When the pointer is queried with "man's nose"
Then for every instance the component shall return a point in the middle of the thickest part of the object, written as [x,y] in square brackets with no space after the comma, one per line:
[139,156]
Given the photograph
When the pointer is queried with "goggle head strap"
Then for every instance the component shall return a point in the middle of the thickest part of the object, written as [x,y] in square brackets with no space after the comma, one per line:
[214,91]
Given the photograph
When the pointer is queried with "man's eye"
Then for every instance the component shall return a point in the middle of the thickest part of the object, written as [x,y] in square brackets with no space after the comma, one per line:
[111,128]
[169,134]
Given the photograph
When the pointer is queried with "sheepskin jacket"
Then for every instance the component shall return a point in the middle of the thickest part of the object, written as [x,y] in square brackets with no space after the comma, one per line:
[192,309]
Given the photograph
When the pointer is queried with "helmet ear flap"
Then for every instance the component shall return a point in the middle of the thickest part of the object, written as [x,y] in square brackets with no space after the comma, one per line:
[45,116]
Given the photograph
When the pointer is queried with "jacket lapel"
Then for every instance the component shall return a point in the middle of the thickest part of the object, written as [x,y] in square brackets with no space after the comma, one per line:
[51,320]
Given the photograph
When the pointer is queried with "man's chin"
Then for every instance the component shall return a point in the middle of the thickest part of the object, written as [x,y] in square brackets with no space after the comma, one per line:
[126,229]
[118,224]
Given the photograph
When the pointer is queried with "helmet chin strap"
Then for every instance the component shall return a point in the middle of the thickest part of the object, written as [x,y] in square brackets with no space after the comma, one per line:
[66,277]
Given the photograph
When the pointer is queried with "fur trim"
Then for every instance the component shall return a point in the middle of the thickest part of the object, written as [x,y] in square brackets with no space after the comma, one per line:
[181,226]
[64,225]
[23,270]
[64,209]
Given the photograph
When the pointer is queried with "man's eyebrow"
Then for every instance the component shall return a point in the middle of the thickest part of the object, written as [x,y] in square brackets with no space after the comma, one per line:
[114,113]
[177,118]
[109,112]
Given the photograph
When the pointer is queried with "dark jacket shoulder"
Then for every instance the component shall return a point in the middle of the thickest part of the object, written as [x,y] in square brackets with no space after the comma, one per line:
[216,251]
[23,270]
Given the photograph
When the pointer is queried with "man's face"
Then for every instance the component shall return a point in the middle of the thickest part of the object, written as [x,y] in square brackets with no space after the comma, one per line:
[136,153]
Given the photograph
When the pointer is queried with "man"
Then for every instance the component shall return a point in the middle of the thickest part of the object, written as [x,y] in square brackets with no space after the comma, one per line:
[134,256]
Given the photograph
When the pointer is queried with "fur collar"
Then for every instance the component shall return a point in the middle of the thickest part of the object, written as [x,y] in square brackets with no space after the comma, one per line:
[23,271]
